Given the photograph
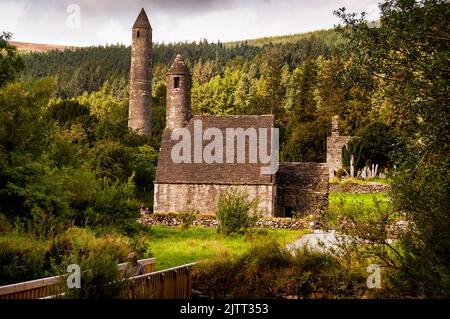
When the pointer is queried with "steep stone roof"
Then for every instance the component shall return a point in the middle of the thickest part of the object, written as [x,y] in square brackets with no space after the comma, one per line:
[142,21]
[178,66]
[215,173]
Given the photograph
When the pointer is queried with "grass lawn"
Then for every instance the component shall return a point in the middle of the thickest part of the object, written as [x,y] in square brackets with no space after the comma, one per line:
[365,200]
[357,205]
[172,246]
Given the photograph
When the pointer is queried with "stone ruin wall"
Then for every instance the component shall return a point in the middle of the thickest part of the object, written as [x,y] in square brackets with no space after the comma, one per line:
[334,152]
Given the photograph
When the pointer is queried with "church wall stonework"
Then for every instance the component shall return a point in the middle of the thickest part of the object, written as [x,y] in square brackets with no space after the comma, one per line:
[204,197]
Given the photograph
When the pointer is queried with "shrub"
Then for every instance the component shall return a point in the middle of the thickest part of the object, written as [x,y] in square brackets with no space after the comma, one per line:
[141,245]
[187,218]
[5,225]
[72,245]
[235,212]
[100,278]
[114,207]
[21,258]
[24,256]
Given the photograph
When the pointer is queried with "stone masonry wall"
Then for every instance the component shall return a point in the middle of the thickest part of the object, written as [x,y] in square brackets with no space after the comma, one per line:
[302,187]
[178,109]
[359,189]
[204,197]
[334,152]
[140,99]
[173,220]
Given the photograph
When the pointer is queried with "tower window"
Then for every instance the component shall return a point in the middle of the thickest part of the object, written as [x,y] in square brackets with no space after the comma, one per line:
[138,34]
[176,82]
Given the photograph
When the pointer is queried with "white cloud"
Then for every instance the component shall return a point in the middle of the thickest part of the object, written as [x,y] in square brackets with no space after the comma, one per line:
[44,21]
[113,32]
[11,12]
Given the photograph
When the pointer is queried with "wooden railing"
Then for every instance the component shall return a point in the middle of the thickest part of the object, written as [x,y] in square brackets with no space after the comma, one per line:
[172,283]
[44,287]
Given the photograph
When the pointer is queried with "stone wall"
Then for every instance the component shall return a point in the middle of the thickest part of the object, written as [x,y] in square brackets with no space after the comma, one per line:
[359,188]
[334,152]
[204,197]
[301,187]
[210,221]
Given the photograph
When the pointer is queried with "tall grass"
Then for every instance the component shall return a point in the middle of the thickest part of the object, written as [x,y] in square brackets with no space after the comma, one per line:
[268,270]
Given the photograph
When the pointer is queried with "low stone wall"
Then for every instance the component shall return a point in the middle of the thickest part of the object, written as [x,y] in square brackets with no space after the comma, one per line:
[211,221]
[359,188]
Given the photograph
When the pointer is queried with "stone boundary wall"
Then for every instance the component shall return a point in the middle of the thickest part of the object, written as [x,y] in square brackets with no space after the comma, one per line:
[359,188]
[211,221]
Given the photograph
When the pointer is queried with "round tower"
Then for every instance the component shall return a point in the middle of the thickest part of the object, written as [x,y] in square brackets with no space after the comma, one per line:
[178,108]
[140,100]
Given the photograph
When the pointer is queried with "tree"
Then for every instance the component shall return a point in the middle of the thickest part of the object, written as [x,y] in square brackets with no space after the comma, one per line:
[144,163]
[111,160]
[379,141]
[410,51]
[10,61]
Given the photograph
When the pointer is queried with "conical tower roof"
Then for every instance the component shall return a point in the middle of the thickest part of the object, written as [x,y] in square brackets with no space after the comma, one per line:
[178,66]
[142,21]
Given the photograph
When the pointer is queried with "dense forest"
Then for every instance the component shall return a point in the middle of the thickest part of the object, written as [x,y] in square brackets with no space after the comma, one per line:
[66,153]
[302,79]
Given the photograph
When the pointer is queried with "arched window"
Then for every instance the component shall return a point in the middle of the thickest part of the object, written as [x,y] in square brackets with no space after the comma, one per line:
[138,33]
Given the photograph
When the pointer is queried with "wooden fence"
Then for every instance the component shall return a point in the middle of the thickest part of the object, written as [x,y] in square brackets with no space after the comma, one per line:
[172,283]
[44,287]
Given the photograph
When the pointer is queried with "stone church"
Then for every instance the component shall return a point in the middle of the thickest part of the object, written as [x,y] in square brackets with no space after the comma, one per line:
[180,186]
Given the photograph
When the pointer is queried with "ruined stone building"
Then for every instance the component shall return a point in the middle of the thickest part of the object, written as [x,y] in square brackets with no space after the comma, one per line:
[335,142]
[180,186]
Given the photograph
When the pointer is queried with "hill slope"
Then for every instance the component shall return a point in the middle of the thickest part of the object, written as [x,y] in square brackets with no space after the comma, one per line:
[39,47]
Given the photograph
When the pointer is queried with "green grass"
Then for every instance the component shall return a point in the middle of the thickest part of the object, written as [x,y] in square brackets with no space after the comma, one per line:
[172,246]
[357,205]
[365,200]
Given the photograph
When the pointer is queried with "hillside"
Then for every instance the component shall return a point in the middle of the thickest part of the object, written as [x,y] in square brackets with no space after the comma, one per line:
[39,47]
[330,36]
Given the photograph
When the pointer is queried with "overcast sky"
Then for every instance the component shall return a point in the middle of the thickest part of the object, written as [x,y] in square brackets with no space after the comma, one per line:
[93,22]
